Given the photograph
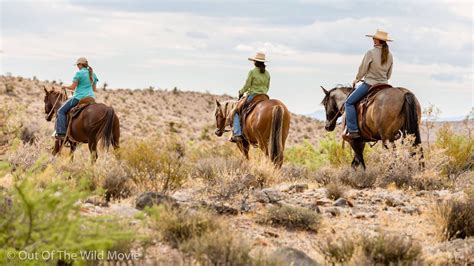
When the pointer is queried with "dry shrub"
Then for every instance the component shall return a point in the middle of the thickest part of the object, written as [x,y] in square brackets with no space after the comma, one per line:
[292,217]
[455,218]
[337,250]
[216,248]
[177,226]
[430,179]
[389,249]
[155,164]
[295,173]
[264,170]
[115,181]
[398,165]
[335,190]
[29,156]
[326,175]
[359,178]
[203,235]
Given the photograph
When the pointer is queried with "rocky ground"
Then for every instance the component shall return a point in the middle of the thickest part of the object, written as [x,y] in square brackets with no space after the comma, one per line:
[144,113]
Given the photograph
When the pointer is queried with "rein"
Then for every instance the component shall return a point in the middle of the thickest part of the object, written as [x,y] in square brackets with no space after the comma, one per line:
[61,96]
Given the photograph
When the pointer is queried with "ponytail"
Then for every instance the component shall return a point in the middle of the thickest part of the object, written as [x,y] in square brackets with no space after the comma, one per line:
[261,66]
[385,52]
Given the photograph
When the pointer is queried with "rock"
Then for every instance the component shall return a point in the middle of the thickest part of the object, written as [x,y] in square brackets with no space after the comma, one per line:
[149,199]
[296,188]
[222,208]
[421,193]
[393,201]
[291,256]
[97,201]
[410,210]
[270,234]
[334,211]
[323,202]
[364,215]
[342,202]
[123,210]
[268,195]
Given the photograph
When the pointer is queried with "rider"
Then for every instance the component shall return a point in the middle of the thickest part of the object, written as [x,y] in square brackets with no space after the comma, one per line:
[84,85]
[258,82]
[376,67]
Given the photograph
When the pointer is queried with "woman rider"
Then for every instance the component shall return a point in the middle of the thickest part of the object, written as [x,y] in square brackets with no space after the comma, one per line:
[376,67]
[258,82]
[84,84]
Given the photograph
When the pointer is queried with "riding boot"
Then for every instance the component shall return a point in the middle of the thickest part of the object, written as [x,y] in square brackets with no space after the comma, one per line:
[235,138]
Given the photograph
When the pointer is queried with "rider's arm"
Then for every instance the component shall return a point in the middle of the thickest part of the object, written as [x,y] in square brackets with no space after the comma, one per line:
[71,87]
[364,66]
[94,84]
[248,83]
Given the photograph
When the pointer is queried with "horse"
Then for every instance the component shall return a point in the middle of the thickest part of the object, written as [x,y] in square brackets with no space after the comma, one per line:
[265,127]
[96,122]
[392,113]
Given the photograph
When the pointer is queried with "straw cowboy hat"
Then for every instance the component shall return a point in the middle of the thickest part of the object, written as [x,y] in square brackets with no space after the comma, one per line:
[81,60]
[260,57]
[380,35]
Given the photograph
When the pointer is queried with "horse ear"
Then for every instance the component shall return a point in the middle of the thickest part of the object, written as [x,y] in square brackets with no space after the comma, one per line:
[45,90]
[218,104]
[324,90]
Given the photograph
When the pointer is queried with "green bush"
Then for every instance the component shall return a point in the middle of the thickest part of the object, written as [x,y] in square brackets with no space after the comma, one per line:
[459,149]
[335,153]
[305,155]
[44,220]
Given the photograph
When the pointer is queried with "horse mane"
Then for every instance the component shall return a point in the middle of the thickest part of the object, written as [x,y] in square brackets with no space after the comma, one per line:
[345,89]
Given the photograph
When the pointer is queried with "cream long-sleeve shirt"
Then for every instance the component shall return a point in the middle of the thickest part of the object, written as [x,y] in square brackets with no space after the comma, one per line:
[372,69]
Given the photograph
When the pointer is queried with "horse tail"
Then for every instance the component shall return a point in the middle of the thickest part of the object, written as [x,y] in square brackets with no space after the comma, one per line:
[107,130]
[411,125]
[276,141]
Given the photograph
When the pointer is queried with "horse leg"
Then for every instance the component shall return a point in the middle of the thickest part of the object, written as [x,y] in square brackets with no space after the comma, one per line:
[73,149]
[93,150]
[245,147]
[358,146]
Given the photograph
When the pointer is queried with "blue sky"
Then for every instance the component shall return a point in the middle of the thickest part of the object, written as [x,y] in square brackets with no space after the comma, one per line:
[204,45]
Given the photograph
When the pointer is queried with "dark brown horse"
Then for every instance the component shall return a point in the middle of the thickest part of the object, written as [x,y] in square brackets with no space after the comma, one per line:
[266,126]
[96,122]
[393,112]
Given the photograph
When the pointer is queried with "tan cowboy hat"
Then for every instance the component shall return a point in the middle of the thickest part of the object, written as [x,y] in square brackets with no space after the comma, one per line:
[81,60]
[260,57]
[380,35]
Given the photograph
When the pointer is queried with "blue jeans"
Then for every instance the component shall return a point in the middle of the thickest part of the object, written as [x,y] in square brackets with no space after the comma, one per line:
[351,113]
[61,120]
[236,124]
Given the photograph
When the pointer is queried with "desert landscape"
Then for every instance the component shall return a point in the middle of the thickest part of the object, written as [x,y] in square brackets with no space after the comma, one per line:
[174,193]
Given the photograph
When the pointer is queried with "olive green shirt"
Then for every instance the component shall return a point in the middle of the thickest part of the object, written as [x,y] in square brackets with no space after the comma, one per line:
[257,83]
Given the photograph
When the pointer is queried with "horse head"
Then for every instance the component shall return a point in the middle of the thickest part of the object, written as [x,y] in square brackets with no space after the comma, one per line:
[52,101]
[333,102]
[220,119]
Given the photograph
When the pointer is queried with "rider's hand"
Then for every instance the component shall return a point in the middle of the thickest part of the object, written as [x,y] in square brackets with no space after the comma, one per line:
[354,83]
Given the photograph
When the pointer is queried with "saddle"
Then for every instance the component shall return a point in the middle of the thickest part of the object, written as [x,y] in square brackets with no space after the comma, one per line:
[75,112]
[245,108]
[362,107]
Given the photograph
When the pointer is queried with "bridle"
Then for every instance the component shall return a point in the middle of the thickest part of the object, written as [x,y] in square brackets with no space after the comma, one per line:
[61,96]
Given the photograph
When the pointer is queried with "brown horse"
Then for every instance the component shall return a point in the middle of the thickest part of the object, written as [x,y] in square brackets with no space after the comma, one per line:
[96,122]
[265,127]
[392,111]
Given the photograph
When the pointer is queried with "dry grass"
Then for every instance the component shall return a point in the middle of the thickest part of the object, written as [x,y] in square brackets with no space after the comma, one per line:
[335,190]
[390,249]
[292,217]
[337,250]
[454,218]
